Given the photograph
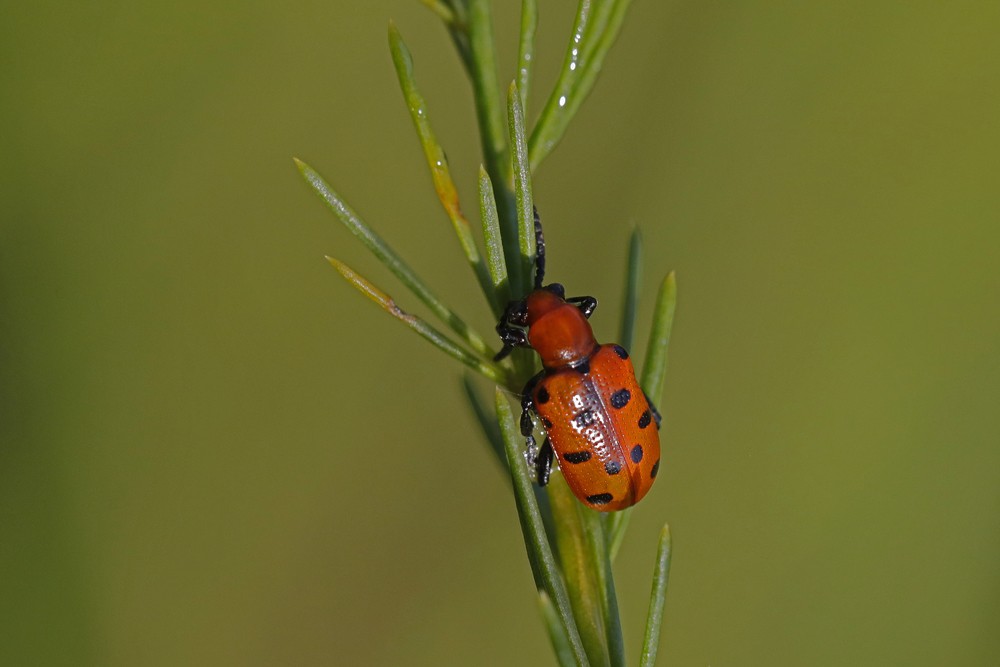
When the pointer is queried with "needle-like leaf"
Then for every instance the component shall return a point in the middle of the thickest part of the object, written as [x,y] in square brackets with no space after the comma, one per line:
[436,338]
[522,189]
[597,24]
[486,418]
[655,365]
[594,532]
[494,241]
[445,12]
[486,90]
[526,49]
[654,620]
[540,556]
[633,275]
[438,164]
[377,245]
[557,634]
[581,569]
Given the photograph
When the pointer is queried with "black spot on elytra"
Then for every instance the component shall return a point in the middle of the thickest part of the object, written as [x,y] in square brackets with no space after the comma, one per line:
[620,398]
[543,395]
[546,423]
[620,351]
[645,419]
[583,367]
[636,453]
[576,457]
[584,418]
[656,469]
[599,499]
[613,467]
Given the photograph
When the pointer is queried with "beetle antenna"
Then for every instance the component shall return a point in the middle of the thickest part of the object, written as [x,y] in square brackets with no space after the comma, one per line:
[539,250]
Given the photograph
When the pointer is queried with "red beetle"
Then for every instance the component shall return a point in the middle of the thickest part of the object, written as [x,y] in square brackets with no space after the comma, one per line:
[596,417]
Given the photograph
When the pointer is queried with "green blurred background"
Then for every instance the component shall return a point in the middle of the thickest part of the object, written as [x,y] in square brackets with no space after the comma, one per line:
[214,452]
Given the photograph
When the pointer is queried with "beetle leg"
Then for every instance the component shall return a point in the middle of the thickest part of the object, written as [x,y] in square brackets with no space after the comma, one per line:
[543,466]
[527,424]
[539,251]
[586,304]
[527,405]
[657,417]
[511,328]
[511,338]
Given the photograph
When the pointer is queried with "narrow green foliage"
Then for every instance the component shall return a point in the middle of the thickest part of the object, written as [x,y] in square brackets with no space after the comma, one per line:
[630,302]
[392,261]
[522,188]
[482,69]
[615,528]
[570,547]
[446,13]
[594,31]
[657,598]
[593,526]
[435,337]
[486,88]
[580,567]
[656,351]
[557,633]
[486,418]
[543,562]
[438,164]
[526,49]
[494,241]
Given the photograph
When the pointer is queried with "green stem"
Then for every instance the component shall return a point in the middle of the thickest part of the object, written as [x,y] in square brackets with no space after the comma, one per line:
[540,556]
[482,69]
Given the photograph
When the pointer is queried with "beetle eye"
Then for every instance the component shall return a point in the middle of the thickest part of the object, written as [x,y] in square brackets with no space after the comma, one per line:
[557,289]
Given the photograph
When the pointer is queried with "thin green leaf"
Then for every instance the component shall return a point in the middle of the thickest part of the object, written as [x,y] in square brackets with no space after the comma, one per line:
[393,262]
[580,568]
[552,123]
[593,34]
[482,68]
[557,634]
[596,51]
[436,338]
[494,241]
[655,365]
[615,530]
[438,163]
[522,187]
[486,418]
[526,48]
[597,25]
[446,13]
[540,556]
[459,32]
[486,87]
[633,273]
[654,620]
[594,532]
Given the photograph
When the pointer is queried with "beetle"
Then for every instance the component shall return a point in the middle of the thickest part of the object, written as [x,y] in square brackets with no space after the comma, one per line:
[596,416]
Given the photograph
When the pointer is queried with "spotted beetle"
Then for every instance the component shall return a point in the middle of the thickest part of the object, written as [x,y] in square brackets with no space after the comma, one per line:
[596,416]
